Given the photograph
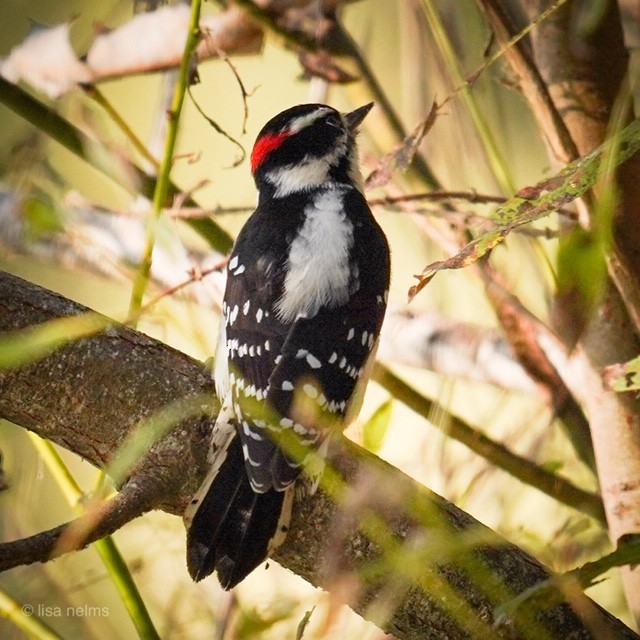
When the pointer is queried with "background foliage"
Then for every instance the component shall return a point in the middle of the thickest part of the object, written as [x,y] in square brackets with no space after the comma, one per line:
[485,139]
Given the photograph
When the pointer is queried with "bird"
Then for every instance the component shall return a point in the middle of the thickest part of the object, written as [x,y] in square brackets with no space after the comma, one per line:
[304,301]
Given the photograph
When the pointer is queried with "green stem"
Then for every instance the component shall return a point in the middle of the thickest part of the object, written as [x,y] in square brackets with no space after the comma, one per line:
[124,583]
[116,567]
[99,98]
[24,617]
[163,182]
[494,157]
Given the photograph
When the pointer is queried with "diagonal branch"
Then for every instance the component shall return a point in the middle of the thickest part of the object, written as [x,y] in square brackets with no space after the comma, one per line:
[537,202]
[402,546]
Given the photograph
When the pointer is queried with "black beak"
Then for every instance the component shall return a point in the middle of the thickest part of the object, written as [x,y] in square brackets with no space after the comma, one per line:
[354,118]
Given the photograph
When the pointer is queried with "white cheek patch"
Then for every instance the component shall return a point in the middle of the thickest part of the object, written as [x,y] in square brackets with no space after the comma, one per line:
[299,177]
[312,172]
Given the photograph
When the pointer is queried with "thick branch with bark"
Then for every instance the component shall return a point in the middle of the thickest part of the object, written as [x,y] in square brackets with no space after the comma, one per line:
[397,553]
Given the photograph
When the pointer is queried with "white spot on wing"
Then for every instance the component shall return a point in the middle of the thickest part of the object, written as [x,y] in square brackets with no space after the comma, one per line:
[313,362]
[249,432]
[310,390]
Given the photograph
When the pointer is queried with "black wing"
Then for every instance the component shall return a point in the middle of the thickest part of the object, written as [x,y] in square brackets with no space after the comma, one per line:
[301,373]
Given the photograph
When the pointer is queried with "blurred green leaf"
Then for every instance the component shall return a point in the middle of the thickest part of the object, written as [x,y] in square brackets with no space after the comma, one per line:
[41,217]
[582,274]
[589,16]
[22,616]
[21,347]
[253,621]
[375,428]
[552,466]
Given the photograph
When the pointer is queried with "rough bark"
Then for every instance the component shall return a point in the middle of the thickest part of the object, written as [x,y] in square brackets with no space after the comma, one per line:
[89,394]
[584,75]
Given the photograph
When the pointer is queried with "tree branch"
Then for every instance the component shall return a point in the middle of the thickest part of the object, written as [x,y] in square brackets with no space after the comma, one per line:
[133,500]
[405,545]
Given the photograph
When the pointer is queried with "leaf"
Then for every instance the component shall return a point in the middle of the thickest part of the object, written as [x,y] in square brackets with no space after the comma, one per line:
[24,346]
[553,466]
[623,377]
[304,622]
[256,622]
[41,217]
[401,156]
[375,429]
[582,273]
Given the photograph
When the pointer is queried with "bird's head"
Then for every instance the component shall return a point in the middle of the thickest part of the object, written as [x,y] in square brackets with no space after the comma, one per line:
[306,147]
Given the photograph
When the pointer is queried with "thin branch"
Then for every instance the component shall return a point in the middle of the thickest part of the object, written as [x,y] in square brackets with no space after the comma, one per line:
[497,454]
[438,195]
[99,98]
[162,186]
[531,82]
[132,501]
[244,93]
[538,201]
[220,130]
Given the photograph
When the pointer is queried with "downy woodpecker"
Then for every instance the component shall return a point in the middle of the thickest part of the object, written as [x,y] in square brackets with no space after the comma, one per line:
[306,293]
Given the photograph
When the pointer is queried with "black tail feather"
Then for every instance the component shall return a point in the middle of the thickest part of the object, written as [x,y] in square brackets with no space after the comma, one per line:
[234,527]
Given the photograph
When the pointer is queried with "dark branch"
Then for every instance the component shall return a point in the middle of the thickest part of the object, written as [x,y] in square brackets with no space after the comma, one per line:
[133,500]
[402,546]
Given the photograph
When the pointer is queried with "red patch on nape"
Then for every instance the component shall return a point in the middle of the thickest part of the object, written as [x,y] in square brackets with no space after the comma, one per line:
[265,146]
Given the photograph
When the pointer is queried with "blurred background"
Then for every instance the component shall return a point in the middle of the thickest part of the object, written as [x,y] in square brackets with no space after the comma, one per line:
[67,227]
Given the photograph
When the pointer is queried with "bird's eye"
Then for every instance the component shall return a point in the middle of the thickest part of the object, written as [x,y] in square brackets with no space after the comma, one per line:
[333,120]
